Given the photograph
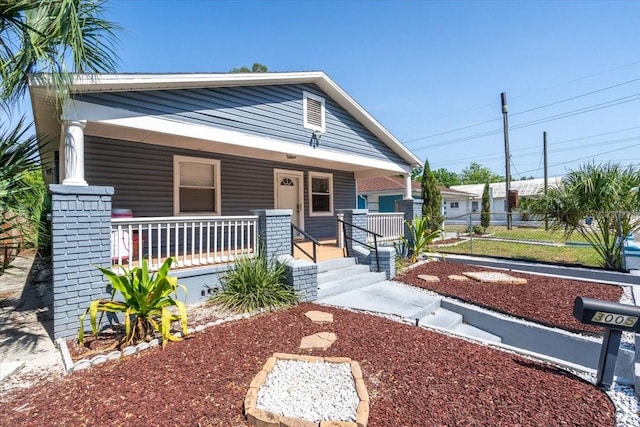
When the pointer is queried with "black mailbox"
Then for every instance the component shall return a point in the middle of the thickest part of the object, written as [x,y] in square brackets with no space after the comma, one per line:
[607,314]
[615,318]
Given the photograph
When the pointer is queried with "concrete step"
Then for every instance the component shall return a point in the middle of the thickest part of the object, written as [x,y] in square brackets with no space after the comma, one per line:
[334,264]
[442,318]
[349,284]
[425,310]
[474,332]
[342,273]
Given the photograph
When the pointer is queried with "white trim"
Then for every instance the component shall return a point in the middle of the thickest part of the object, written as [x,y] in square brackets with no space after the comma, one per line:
[176,183]
[308,95]
[320,175]
[123,118]
[300,176]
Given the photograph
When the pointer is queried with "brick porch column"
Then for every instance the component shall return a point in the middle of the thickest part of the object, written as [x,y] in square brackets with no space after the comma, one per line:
[274,231]
[81,240]
[412,209]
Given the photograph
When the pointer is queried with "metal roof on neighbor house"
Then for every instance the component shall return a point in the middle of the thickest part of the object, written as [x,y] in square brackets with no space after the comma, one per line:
[525,188]
[394,183]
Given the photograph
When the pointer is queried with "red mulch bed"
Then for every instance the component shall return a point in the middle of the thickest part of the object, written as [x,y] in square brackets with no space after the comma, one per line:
[543,299]
[415,377]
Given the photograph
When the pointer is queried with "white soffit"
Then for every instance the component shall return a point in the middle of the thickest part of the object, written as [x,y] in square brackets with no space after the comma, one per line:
[116,123]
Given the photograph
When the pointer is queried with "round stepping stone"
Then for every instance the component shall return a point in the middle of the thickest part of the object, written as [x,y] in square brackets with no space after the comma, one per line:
[319,341]
[428,278]
[459,278]
[319,317]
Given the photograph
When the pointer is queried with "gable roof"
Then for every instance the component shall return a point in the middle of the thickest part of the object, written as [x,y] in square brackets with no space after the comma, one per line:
[394,183]
[85,83]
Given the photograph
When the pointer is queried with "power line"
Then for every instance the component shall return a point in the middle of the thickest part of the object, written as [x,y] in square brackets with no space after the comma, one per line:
[590,157]
[572,113]
[526,111]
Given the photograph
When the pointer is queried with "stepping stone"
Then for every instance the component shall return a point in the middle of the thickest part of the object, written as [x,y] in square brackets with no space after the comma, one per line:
[428,278]
[319,317]
[495,277]
[459,278]
[319,341]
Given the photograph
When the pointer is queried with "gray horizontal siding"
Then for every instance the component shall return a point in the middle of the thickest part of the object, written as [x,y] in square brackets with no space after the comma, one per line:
[273,111]
[142,175]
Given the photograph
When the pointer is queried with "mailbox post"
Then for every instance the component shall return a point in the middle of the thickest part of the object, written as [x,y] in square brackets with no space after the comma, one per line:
[613,316]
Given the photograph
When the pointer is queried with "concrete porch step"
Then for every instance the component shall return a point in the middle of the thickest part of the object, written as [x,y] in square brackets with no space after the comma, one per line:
[342,273]
[335,264]
[349,284]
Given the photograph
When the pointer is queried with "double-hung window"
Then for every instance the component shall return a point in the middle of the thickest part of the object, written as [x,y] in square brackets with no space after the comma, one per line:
[320,193]
[196,186]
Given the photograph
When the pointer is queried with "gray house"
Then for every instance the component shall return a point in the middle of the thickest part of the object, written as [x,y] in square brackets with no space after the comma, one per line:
[193,165]
[218,144]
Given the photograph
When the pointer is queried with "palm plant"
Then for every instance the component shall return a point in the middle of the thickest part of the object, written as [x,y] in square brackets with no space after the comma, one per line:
[148,299]
[253,284]
[420,237]
[603,192]
[43,36]
[18,160]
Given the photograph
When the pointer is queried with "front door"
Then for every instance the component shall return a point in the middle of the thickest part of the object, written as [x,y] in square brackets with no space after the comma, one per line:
[288,194]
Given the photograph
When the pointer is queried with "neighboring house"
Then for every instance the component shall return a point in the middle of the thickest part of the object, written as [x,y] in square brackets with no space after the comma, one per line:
[210,166]
[497,195]
[379,194]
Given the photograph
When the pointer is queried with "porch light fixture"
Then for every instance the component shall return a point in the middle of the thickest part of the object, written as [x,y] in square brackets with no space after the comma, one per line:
[315,138]
[291,156]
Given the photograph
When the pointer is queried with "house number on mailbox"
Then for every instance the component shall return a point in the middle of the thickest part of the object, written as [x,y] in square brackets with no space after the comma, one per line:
[614,319]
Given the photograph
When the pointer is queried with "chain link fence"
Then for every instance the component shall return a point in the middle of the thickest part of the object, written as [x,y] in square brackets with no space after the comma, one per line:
[528,239]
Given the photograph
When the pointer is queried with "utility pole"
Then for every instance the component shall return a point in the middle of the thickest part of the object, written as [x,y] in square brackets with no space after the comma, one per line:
[546,178]
[507,157]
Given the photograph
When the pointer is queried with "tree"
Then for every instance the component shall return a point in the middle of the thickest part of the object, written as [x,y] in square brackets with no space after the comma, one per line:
[485,215]
[446,178]
[475,173]
[416,173]
[54,37]
[255,68]
[432,205]
[608,194]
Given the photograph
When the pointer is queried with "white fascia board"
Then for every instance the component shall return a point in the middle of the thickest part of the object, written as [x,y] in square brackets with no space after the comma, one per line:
[82,110]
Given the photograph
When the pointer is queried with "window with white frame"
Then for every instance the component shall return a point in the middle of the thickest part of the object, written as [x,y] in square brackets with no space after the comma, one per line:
[455,205]
[320,193]
[474,206]
[313,111]
[196,186]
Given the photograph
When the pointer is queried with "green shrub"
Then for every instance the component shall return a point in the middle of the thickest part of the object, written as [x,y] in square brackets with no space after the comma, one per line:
[475,229]
[253,284]
[147,302]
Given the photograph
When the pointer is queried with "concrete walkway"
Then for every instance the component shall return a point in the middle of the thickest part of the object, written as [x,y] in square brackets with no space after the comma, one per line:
[25,319]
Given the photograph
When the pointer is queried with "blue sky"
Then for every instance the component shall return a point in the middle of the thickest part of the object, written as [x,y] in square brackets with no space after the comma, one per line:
[426,69]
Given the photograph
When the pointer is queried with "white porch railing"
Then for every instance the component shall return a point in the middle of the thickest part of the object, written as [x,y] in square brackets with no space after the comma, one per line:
[389,225]
[193,241]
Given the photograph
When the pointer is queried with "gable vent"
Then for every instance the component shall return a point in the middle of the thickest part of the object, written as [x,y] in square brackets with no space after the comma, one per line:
[314,112]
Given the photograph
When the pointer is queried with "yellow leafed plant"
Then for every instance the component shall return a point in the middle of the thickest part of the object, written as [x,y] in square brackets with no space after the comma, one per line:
[148,299]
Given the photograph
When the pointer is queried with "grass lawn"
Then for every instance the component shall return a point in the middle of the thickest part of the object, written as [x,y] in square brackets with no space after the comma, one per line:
[523,233]
[583,255]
